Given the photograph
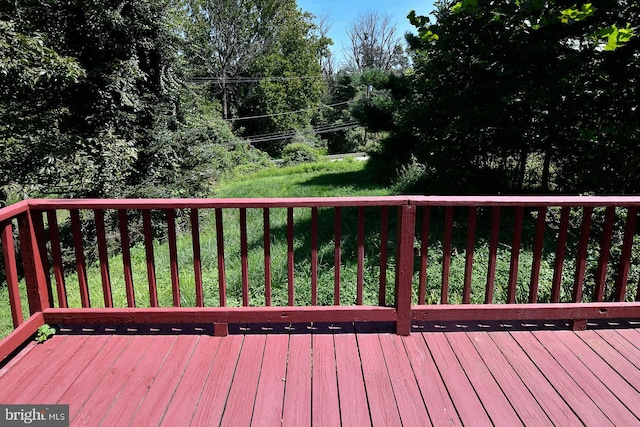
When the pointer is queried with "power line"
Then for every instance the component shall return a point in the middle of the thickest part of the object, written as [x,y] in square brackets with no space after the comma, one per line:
[286,112]
[319,127]
[256,139]
[247,79]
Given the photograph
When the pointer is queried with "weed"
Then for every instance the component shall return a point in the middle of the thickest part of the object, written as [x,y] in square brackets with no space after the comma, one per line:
[44,333]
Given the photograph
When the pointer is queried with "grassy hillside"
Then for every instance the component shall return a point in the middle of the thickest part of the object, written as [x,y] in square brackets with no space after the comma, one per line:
[346,178]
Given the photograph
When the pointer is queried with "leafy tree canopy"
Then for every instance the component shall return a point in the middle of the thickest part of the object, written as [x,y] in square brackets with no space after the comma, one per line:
[522,94]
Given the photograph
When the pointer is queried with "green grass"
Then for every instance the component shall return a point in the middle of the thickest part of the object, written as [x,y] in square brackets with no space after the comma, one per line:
[346,178]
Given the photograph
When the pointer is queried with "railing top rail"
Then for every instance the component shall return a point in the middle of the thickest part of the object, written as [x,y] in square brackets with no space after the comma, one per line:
[12,210]
[41,204]
[530,201]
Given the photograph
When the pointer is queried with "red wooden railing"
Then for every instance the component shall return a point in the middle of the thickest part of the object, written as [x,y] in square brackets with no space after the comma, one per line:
[424,226]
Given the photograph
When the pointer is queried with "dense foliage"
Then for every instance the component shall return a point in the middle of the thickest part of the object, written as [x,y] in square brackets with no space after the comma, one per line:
[97,99]
[261,58]
[517,95]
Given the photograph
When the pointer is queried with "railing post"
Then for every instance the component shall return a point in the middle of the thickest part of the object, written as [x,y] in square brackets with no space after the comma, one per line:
[404,267]
[34,274]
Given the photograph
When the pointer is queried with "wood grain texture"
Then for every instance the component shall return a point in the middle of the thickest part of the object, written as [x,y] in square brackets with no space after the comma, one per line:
[354,410]
[470,409]
[382,402]
[325,406]
[410,404]
[151,410]
[267,410]
[78,393]
[213,399]
[524,403]
[242,394]
[485,386]
[137,386]
[538,244]
[267,256]
[51,390]
[547,377]
[555,407]
[404,268]
[103,397]
[570,390]
[434,393]
[297,395]
[192,382]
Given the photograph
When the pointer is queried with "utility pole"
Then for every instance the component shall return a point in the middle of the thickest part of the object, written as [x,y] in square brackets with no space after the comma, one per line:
[369,89]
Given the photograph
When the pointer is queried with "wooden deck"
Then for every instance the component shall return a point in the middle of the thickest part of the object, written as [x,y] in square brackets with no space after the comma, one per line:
[514,374]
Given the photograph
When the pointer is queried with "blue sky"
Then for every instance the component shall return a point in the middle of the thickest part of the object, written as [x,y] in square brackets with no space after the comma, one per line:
[343,12]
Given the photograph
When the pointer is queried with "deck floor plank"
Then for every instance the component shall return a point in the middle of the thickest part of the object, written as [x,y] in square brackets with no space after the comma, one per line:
[405,387]
[8,366]
[613,380]
[36,356]
[594,386]
[242,396]
[189,388]
[545,394]
[491,395]
[569,389]
[626,369]
[325,406]
[347,377]
[26,390]
[66,375]
[625,342]
[380,396]
[354,409]
[170,373]
[131,396]
[462,393]
[436,397]
[105,394]
[214,394]
[524,403]
[78,393]
[297,395]
[270,396]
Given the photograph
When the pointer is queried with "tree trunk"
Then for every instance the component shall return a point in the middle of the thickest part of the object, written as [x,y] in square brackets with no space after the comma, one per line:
[524,155]
[225,110]
[546,170]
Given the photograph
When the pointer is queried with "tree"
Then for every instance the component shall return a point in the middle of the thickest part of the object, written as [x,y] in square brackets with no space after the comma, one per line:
[265,57]
[509,95]
[226,36]
[111,121]
[375,43]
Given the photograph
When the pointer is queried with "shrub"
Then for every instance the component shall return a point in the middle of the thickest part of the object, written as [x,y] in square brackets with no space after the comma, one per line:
[296,153]
[410,177]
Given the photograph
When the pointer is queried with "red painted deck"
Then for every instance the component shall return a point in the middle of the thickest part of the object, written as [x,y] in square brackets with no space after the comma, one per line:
[468,374]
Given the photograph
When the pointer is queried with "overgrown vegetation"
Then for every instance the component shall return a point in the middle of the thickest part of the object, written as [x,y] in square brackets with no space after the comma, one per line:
[344,178]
